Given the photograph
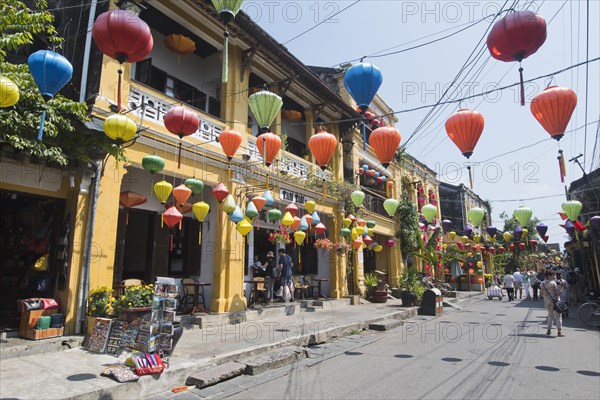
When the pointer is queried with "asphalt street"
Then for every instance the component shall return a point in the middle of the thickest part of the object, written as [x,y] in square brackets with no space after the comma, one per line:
[484,350]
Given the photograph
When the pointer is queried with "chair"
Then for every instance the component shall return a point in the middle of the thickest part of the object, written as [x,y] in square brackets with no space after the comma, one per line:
[189,299]
[259,291]
[312,285]
[299,287]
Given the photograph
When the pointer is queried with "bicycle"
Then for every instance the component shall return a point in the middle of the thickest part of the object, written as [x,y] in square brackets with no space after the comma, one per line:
[589,312]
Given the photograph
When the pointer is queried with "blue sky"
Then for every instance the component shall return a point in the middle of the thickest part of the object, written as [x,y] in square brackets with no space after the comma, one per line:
[507,176]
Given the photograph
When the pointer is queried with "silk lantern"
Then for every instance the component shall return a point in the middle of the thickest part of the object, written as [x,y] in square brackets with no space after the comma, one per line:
[269,198]
[310,206]
[506,236]
[390,243]
[523,215]
[595,222]
[227,10]
[220,192]
[553,108]
[195,185]
[303,224]
[123,36]
[308,218]
[292,209]
[243,227]
[172,217]
[9,92]
[287,219]
[200,210]
[153,164]
[230,141]
[322,146]
[464,128]
[476,215]
[385,142]
[511,247]
[491,231]
[533,243]
[367,240]
[259,202]
[464,239]
[347,222]
[362,81]
[120,128]
[351,218]
[345,232]
[299,237]
[377,248]
[181,122]
[572,208]
[251,210]
[273,215]
[357,198]
[130,199]
[228,204]
[446,224]
[51,72]
[163,190]
[391,206]
[320,229]
[180,44]
[525,232]
[182,193]
[429,212]
[541,229]
[354,233]
[476,238]
[515,37]
[357,243]
[518,232]
[522,246]
[182,208]
[236,215]
[500,250]
[265,106]
[315,218]
[297,222]
[268,144]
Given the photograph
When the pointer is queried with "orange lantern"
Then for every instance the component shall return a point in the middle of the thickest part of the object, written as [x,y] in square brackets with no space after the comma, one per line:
[308,218]
[180,45]
[296,223]
[553,109]
[291,115]
[130,199]
[480,280]
[464,128]
[268,144]
[182,208]
[182,193]
[356,243]
[259,202]
[385,142]
[322,146]
[471,271]
[230,141]
[361,222]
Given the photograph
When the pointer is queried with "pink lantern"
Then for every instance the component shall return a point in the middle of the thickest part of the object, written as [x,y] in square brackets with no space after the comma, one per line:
[390,243]
[320,228]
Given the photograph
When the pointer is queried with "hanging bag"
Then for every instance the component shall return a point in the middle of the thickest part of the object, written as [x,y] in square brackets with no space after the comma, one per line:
[559,305]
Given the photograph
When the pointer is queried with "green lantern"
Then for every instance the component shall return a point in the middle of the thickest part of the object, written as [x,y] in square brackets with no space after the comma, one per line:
[476,215]
[572,208]
[153,164]
[523,215]
[371,224]
[195,185]
[265,106]
[274,215]
[251,210]
[357,198]
[345,232]
[391,206]
[227,10]
[429,211]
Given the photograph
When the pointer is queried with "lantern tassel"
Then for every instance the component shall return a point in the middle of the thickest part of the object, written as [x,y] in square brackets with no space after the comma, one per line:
[267,186]
[470,177]
[324,189]
[119,90]
[522,87]
[127,217]
[224,72]
[41,130]
[179,157]
[171,242]
[162,220]
[364,134]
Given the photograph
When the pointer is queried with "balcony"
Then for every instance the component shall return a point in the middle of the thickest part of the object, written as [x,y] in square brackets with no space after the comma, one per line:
[375,205]
[291,164]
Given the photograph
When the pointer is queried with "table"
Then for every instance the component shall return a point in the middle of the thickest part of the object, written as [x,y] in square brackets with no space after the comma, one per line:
[319,281]
[197,286]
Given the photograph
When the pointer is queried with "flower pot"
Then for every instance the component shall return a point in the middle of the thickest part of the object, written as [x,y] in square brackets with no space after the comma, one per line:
[381,296]
[408,298]
[132,315]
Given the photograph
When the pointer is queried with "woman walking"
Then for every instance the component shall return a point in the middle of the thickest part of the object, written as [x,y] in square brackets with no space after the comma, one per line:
[551,291]
[526,279]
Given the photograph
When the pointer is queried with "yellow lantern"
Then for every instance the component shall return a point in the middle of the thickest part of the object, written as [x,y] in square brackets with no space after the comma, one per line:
[452,235]
[9,92]
[371,231]
[353,234]
[479,264]
[378,248]
[525,232]
[360,230]
[299,237]
[287,219]
[506,236]
[464,239]
[228,205]
[469,254]
[243,227]
[347,222]
[200,210]
[310,206]
[120,128]
[476,238]
[163,190]
[444,246]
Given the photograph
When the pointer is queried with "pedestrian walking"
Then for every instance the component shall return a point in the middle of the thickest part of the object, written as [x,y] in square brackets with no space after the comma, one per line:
[509,285]
[526,283]
[551,291]
[564,294]
[272,273]
[285,265]
[518,283]
[536,281]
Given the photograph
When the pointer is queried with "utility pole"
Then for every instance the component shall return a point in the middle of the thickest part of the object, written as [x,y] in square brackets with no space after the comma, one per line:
[576,160]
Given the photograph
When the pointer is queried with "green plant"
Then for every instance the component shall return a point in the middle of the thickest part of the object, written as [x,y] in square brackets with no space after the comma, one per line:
[409,280]
[370,281]
[136,296]
[408,231]
[99,302]
[419,290]
[284,141]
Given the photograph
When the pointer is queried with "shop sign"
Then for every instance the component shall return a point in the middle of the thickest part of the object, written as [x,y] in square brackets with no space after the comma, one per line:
[287,195]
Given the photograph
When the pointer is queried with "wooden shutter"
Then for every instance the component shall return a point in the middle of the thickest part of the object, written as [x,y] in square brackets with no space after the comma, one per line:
[192,253]
[119,249]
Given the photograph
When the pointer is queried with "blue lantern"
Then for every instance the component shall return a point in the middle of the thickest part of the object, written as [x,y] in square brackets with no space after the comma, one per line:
[365,167]
[51,72]
[303,224]
[376,175]
[362,81]
[236,216]
[316,218]
[383,179]
[269,197]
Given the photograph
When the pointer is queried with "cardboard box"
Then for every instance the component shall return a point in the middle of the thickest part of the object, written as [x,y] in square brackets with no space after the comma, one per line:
[29,319]
[36,334]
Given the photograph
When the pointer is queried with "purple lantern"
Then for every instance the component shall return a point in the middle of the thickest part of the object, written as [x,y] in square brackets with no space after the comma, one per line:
[446,224]
[595,222]
[518,232]
[491,231]
[468,230]
[541,229]
[390,243]
[569,227]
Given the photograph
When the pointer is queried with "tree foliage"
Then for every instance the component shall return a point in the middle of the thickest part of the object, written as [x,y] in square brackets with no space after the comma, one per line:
[63,144]
[408,231]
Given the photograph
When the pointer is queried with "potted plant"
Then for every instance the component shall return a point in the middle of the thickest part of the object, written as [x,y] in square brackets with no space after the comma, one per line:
[341,248]
[137,299]
[370,281]
[323,244]
[306,154]
[99,305]
[410,285]
[279,237]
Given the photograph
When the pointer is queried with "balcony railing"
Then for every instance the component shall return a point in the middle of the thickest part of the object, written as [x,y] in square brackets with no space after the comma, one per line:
[290,163]
[374,205]
[157,105]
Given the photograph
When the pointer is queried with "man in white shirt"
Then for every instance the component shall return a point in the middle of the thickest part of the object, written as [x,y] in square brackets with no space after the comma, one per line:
[509,285]
[518,283]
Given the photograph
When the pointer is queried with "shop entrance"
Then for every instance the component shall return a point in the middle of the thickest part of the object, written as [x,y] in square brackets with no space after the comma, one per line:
[33,244]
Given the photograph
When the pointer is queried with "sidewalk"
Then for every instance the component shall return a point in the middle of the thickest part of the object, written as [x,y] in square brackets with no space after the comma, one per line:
[75,373]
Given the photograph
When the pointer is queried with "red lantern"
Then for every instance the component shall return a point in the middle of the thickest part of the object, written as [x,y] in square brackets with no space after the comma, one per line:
[522,246]
[553,109]
[259,202]
[220,192]
[511,247]
[361,171]
[351,218]
[533,243]
[464,128]
[385,142]
[322,146]
[369,115]
[515,37]
[500,250]
[268,144]
[130,199]
[546,238]
[492,250]
[123,36]
[230,141]
[172,217]
[181,122]
[182,208]
[367,240]
[579,226]
[292,209]
[320,228]
[471,271]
